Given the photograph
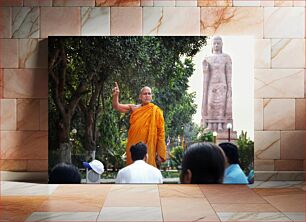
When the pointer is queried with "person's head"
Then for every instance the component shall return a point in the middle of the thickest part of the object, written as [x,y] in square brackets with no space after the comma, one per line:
[231,152]
[139,151]
[64,173]
[145,95]
[217,44]
[203,163]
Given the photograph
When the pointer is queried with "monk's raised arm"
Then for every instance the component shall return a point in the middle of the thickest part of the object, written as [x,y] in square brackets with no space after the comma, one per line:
[123,108]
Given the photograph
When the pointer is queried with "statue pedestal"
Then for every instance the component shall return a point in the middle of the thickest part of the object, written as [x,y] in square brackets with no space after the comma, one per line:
[223,136]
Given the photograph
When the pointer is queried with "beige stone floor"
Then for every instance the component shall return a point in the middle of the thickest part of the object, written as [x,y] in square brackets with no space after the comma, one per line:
[107,202]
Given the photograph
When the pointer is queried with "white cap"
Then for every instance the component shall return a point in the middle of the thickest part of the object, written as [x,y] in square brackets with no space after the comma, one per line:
[95,165]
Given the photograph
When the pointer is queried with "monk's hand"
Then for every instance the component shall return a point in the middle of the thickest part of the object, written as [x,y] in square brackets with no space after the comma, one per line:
[160,159]
[116,90]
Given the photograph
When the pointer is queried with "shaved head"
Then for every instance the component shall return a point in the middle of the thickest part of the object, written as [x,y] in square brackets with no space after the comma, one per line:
[143,88]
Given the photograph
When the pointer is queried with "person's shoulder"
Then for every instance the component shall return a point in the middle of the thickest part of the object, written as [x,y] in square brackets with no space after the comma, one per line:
[158,108]
[133,107]
[227,56]
[152,168]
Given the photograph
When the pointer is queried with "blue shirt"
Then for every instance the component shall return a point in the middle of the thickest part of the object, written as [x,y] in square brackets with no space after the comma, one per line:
[233,174]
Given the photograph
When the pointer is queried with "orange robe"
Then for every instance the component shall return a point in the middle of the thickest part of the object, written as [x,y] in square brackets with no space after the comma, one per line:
[147,126]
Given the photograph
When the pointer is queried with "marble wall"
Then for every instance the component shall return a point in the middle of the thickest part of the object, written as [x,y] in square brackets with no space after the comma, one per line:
[277,25]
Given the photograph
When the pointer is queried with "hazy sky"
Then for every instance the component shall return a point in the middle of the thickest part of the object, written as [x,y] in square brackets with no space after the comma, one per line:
[241,51]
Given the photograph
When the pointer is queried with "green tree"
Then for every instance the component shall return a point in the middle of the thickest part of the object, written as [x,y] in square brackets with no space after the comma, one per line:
[82,73]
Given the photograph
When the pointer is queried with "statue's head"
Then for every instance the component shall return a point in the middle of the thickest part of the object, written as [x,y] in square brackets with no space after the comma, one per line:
[217,44]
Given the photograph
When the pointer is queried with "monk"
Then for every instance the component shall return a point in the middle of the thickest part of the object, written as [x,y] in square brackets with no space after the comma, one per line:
[146,125]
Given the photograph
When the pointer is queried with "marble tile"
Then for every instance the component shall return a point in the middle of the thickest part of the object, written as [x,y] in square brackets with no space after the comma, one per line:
[267,145]
[82,190]
[126,21]
[299,3]
[1,84]
[146,3]
[130,214]
[279,176]
[300,114]
[18,208]
[280,3]
[9,188]
[278,191]
[267,3]
[230,194]
[33,53]
[63,216]
[279,114]
[124,3]
[52,16]
[186,3]
[72,204]
[264,207]
[9,53]
[295,216]
[5,3]
[37,165]
[124,196]
[73,3]
[292,145]
[187,209]
[37,2]
[25,23]
[278,19]
[289,165]
[95,21]
[25,83]
[304,83]
[24,144]
[164,3]
[249,3]
[263,165]
[171,21]
[258,114]
[5,22]
[286,200]
[253,216]
[8,114]
[279,83]
[283,50]
[13,165]
[207,3]
[182,191]
[43,115]
[27,114]
[262,53]
[232,21]
[277,184]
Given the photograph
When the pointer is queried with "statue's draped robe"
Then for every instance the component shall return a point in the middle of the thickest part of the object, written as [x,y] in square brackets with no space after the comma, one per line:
[147,126]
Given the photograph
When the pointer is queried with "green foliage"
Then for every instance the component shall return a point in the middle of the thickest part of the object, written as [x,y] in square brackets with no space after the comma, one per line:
[176,156]
[163,63]
[206,136]
[246,152]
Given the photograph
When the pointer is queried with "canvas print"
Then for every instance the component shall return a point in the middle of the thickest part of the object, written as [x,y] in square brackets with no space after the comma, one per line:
[151,109]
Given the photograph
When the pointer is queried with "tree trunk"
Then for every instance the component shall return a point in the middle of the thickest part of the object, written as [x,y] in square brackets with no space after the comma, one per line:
[92,154]
[65,152]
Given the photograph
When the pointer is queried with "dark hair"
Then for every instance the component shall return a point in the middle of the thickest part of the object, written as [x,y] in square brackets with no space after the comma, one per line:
[64,173]
[231,152]
[206,162]
[138,151]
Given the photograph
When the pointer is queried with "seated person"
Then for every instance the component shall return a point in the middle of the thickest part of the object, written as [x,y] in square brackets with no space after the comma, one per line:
[203,163]
[233,173]
[139,171]
[64,173]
